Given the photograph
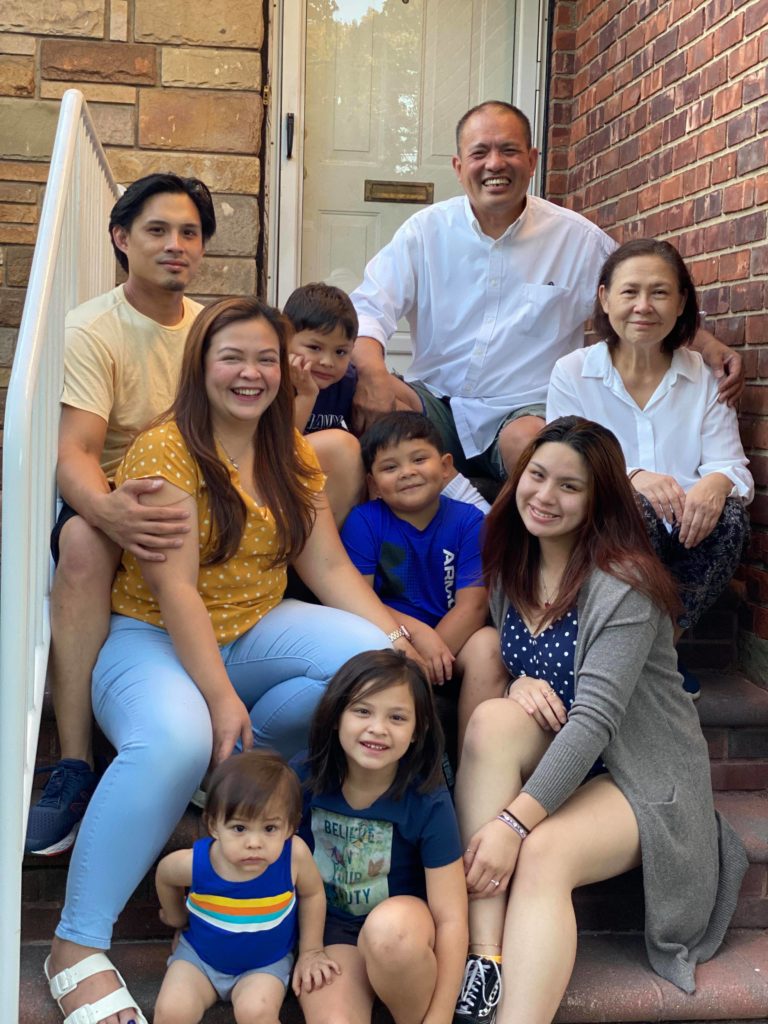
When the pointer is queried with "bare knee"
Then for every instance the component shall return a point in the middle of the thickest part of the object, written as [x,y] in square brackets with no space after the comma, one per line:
[87,557]
[492,722]
[515,437]
[392,936]
[542,862]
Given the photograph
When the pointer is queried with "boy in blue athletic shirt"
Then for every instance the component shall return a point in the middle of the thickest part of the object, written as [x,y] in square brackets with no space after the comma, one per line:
[419,550]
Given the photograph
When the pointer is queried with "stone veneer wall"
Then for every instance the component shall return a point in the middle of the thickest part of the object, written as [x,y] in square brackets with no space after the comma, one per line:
[659,127]
[171,85]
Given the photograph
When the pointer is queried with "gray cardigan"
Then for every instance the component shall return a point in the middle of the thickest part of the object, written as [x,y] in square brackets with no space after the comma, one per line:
[630,708]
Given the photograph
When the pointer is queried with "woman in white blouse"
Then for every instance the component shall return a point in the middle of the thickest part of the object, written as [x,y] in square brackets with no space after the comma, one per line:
[682,447]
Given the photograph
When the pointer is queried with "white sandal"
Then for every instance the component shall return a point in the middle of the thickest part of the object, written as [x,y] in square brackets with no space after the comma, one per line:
[66,981]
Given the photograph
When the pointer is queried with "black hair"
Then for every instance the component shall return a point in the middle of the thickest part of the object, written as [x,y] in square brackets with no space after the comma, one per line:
[500,105]
[364,675]
[131,203]
[247,784]
[321,307]
[393,429]
[687,323]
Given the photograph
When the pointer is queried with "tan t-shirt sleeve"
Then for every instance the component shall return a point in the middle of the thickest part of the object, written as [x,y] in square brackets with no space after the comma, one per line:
[89,374]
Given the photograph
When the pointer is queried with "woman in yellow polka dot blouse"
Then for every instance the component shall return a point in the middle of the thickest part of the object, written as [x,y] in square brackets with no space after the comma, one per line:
[203,651]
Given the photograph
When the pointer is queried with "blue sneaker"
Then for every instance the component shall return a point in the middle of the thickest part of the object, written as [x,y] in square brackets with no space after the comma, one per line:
[55,818]
[691,683]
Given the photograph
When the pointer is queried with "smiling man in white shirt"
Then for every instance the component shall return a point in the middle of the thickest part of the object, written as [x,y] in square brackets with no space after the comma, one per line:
[496,286]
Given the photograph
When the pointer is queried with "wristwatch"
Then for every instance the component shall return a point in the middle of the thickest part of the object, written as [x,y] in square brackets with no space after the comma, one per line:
[401,631]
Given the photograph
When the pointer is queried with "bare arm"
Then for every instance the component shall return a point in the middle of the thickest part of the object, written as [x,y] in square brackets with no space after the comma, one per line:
[447,899]
[375,393]
[174,584]
[314,968]
[468,614]
[326,569]
[145,531]
[306,391]
[172,878]
[727,365]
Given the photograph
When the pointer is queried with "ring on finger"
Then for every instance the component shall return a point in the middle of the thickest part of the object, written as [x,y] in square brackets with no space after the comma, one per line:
[495,883]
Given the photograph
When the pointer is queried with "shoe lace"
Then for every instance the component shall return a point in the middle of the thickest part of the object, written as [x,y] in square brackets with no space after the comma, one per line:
[475,984]
[53,787]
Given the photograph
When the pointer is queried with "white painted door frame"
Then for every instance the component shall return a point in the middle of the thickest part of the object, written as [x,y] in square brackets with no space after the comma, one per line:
[287,79]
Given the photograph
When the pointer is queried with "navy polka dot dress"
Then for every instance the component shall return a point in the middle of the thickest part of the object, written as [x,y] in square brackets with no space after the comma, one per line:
[548,656]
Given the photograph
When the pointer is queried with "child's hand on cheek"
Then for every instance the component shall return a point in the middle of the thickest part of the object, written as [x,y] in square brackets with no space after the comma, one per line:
[314,968]
[301,377]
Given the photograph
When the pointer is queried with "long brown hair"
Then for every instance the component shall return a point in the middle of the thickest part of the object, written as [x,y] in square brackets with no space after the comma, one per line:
[279,471]
[612,536]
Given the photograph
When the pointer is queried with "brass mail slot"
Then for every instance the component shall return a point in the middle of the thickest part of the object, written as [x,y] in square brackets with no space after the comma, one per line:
[399,192]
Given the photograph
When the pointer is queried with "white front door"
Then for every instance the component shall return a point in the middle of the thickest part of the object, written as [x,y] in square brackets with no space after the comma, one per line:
[374,116]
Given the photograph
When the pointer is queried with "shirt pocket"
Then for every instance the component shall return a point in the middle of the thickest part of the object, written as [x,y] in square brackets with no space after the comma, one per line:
[542,312]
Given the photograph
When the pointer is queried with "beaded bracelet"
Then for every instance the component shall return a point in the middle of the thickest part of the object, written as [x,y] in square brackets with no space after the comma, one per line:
[509,819]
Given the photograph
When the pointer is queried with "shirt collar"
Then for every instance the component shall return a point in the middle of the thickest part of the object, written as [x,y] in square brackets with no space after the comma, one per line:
[597,363]
[475,224]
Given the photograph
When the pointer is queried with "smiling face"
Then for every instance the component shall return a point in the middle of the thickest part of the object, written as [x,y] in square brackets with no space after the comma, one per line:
[553,493]
[328,354]
[376,730]
[409,477]
[245,847]
[164,244]
[495,165]
[242,372]
[642,301]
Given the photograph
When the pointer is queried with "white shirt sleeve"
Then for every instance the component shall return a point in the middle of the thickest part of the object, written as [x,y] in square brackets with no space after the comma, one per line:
[389,287]
[721,447]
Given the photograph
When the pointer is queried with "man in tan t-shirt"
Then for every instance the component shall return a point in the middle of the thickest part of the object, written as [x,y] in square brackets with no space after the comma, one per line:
[121,366]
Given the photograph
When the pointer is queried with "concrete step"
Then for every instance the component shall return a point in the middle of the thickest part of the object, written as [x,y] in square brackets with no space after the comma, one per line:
[611,982]
[734,718]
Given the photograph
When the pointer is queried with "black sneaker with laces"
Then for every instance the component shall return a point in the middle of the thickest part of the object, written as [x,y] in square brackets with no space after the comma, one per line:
[480,992]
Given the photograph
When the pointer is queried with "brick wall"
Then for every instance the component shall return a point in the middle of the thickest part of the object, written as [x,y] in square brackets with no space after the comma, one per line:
[172,85]
[659,127]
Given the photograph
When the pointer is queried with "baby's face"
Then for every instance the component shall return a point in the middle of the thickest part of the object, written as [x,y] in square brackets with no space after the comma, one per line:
[249,845]
[327,354]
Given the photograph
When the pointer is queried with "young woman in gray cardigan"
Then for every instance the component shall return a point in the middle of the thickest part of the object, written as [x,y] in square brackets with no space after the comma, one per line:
[594,762]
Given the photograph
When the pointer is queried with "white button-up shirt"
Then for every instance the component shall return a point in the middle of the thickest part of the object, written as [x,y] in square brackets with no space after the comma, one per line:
[488,317]
[683,431]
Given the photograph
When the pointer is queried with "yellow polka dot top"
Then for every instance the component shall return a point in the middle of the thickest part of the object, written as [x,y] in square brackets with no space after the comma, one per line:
[236,593]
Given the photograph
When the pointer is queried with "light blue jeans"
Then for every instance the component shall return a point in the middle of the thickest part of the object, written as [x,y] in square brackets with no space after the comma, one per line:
[157,720]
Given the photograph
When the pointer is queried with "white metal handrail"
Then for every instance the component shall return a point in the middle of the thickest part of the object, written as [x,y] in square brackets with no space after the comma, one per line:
[72,262]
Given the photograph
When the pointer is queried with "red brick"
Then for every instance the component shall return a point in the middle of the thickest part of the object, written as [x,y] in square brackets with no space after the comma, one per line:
[756,17]
[716,300]
[730,330]
[712,140]
[705,271]
[748,775]
[734,266]
[747,296]
[749,229]
[757,579]
[741,127]
[749,362]
[648,198]
[675,127]
[696,178]
[671,189]
[755,400]
[760,259]
[761,189]
[699,114]
[716,10]
[743,57]
[755,85]
[756,333]
[739,196]
[685,152]
[680,216]
[728,34]
[728,99]
[724,168]
[714,75]
[691,28]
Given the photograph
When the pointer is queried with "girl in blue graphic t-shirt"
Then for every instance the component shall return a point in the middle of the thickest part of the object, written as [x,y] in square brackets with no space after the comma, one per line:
[384,836]
[240,896]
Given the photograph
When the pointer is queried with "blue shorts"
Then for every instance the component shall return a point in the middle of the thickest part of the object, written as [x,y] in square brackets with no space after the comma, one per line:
[224,983]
